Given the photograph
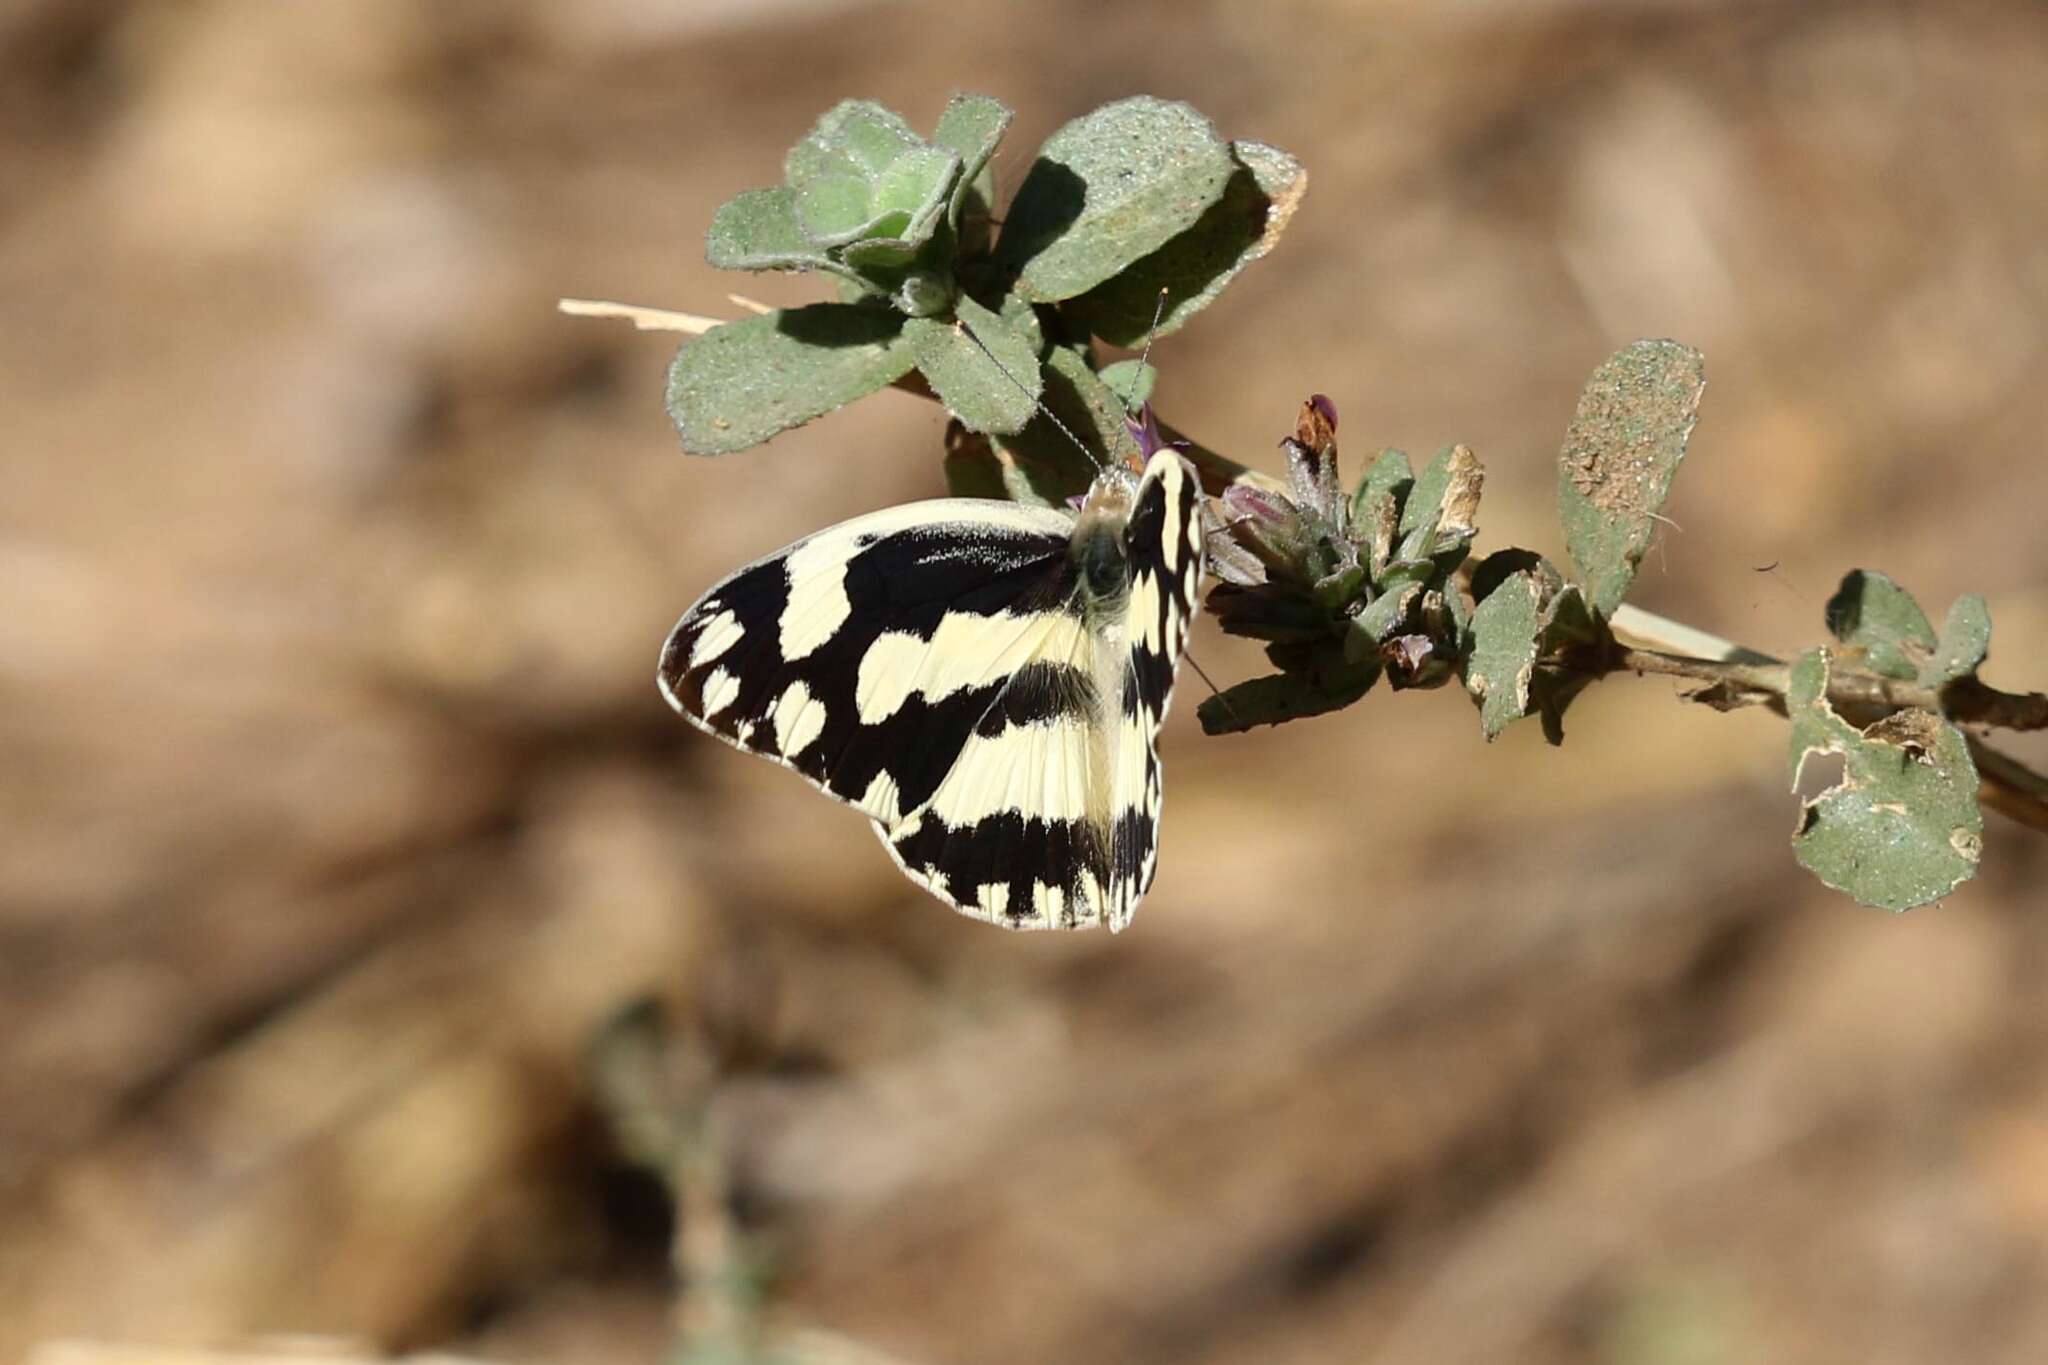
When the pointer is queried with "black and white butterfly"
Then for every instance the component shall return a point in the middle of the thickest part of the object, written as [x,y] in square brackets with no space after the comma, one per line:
[985,680]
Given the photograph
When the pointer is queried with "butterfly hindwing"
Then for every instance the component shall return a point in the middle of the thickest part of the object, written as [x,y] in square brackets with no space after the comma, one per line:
[949,668]
[1165,553]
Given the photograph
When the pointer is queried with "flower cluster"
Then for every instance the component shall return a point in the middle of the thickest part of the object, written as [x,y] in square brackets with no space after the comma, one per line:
[1342,587]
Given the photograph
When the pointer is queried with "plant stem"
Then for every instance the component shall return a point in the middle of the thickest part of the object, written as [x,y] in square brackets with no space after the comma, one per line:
[1669,648]
[2004,783]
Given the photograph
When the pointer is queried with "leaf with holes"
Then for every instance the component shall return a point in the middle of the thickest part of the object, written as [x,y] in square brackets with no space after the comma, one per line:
[1901,827]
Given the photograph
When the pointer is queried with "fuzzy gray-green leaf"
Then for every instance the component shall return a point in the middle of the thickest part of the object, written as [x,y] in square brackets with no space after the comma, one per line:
[1130,380]
[832,210]
[1505,631]
[970,128]
[1043,465]
[1108,189]
[1872,613]
[1624,445]
[758,230]
[919,184]
[1376,507]
[1391,473]
[994,390]
[741,383]
[1965,640]
[1426,495]
[1378,619]
[1901,828]
[853,135]
[1441,510]
[1194,267]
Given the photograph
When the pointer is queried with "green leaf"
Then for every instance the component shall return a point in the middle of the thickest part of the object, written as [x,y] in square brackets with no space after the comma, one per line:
[1335,590]
[1194,267]
[1046,462]
[832,210]
[1093,410]
[971,127]
[1872,613]
[1388,476]
[1901,828]
[741,383]
[1506,628]
[1441,512]
[919,186]
[1458,609]
[1622,449]
[1965,640]
[1494,570]
[1378,620]
[854,136]
[995,390]
[1023,316]
[1108,189]
[923,293]
[862,180]
[1130,380]
[1426,496]
[1567,620]
[1376,507]
[757,230]
[1282,697]
[882,219]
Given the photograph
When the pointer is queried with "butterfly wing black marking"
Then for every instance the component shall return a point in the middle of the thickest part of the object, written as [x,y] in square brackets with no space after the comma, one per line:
[1164,545]
[863,656]
[942,667]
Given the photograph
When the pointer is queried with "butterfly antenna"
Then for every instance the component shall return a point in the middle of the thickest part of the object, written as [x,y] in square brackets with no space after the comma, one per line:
[1025,389]
[1144,356]
[1214,690]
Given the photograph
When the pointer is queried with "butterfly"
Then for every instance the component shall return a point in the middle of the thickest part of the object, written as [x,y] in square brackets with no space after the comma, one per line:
[984,680]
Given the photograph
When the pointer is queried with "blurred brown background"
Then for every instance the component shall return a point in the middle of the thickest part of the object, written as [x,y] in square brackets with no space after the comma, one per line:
[341,810]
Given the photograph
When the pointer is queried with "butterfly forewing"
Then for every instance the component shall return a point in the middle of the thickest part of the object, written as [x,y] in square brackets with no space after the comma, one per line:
[944,667]
[864,655]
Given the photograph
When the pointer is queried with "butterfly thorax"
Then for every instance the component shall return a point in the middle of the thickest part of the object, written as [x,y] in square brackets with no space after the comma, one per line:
[1100,550]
